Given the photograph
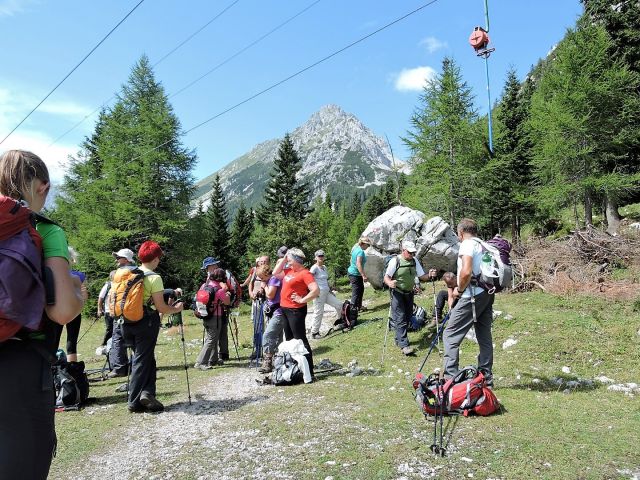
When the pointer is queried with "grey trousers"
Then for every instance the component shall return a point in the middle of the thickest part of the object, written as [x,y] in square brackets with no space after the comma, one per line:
[460,321]
[209,353]
[118,354]
[272,336]
[401,311]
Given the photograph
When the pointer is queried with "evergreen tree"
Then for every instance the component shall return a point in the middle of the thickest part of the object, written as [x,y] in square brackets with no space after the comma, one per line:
[284,194]
[355,206]
[583,115]
[217,220]
[445,145]
[241,230]
[131,180]
[507,177]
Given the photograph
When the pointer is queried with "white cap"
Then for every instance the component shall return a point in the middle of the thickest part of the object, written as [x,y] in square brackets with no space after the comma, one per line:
[409,246]
[124,253]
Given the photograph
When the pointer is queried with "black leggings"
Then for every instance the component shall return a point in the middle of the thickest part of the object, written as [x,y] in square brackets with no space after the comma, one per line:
[27,432]
[294,327]
[108,333]
[73,331]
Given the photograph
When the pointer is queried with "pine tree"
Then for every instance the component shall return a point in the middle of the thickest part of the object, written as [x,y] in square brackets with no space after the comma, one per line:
[583,115]
[355,206]
[445,143]
[507,177]
[284,194]
[217,220]
[241,230]
[131,180]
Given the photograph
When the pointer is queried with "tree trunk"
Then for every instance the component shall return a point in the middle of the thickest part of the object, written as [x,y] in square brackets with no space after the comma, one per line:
[612,215]
[575,214]
[588,208]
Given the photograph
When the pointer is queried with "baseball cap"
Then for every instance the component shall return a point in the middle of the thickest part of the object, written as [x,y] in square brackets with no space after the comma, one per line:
[319,253]
[209,261]
[409,246]
[365,239]
[124,253]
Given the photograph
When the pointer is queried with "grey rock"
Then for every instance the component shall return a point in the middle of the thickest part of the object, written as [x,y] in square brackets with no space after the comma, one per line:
[435,240]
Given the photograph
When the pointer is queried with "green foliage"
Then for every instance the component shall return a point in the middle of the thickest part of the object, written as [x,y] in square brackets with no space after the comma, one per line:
[131,181]
[241,230]
[445,144]
[217,231]
[285,195]
[583,117]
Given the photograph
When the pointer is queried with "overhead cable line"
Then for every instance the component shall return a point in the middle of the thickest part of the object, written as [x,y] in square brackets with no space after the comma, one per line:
[73,70]
[258,40]
[293,75]
[201,77]
[195,33]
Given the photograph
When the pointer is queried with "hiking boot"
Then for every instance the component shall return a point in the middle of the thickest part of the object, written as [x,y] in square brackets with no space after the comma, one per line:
[220,362]
[136,408]
[408,350]
[488,378]
[123,388]
[316,336]
[114,374]
[224,356]
[204,367]
[267,363]
[150,402]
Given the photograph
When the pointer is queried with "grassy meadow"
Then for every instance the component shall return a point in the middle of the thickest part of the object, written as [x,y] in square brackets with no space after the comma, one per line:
[369,427]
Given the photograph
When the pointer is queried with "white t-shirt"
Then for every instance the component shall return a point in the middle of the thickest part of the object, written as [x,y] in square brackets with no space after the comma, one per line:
[321,275]
[392,266]
[472,249]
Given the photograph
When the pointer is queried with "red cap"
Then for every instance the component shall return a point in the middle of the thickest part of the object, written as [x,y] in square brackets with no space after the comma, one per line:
[148,251]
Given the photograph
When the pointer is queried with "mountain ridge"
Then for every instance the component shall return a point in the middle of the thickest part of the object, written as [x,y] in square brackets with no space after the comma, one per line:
[339,155]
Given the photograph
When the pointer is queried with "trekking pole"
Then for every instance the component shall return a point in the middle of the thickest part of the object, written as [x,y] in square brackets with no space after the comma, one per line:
[434,445]
[257,336]
[87,330]
[434,341]
[442,400]
[386,333]
[435,305]
[236,339]
[184,353]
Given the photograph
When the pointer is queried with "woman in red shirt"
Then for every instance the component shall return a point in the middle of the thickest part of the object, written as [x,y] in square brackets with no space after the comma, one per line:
[298,288]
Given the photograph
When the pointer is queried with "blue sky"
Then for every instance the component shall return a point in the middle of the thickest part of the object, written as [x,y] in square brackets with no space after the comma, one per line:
[378,80]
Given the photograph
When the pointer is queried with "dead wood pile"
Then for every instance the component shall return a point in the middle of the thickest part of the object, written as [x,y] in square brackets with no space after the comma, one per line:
[579,262]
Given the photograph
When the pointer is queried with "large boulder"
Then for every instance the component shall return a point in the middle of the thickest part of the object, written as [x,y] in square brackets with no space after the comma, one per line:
[436,242]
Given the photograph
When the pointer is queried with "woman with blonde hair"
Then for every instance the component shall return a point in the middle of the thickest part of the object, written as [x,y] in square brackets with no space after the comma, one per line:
[27,429]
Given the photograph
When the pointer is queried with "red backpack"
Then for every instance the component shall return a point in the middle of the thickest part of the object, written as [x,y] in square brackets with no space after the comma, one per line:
[203,303]
[464,393]
[22,289]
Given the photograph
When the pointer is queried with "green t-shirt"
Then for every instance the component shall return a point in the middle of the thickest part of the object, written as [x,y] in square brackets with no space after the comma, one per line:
[356,252]
[152,284]
[54,241]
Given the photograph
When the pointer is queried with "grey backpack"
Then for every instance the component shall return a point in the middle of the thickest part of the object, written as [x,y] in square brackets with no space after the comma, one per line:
[285,370]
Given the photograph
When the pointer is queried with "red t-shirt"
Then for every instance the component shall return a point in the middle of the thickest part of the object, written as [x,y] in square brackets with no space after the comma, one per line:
[295,282]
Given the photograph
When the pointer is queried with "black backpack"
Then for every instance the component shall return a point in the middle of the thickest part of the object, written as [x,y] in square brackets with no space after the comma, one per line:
[348,316]
[285,370]
[71,383]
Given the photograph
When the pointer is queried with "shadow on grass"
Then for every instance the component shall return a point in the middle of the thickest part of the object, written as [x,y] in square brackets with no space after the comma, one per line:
[116,398]
[201,406]
[555,384]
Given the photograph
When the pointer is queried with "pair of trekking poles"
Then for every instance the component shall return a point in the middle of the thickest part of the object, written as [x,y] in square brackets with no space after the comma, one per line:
[436,448]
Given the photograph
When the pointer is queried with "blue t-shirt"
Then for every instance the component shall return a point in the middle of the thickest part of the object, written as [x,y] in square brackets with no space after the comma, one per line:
[356,252]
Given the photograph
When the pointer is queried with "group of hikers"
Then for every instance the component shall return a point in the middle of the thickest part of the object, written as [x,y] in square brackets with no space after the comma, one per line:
[280,292]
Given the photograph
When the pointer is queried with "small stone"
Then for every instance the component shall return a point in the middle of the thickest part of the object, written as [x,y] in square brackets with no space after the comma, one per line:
[330,462]
[566,370]
[508,317]
[510,342]
[466,459]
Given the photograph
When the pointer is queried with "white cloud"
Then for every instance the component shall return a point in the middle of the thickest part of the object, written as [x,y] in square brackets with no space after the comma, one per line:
[413,79]
[432,44]
[9,8]
[13,108]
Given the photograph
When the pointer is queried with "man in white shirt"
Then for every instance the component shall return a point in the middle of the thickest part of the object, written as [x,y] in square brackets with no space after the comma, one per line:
[474,307]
